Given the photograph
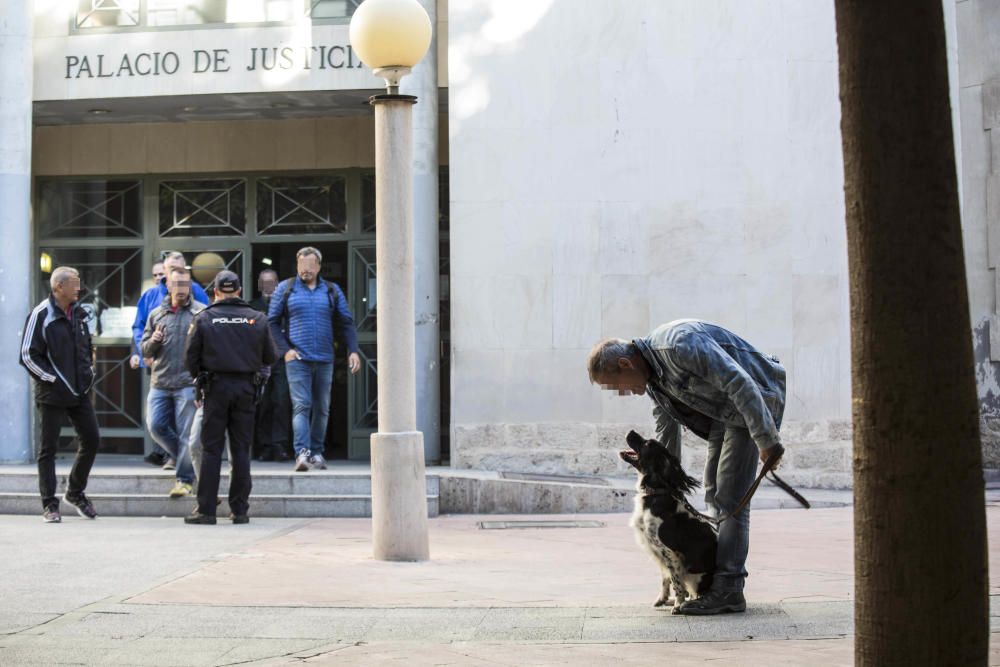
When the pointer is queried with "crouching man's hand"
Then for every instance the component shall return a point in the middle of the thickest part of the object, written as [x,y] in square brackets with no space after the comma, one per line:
[772,451]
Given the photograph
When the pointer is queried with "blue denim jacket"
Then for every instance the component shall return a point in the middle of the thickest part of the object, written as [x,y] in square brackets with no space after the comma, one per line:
[702,373]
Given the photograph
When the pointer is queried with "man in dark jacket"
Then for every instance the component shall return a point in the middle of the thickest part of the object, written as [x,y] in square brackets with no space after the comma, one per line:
[228,347]
[56,350]
[724,390]
[274,413]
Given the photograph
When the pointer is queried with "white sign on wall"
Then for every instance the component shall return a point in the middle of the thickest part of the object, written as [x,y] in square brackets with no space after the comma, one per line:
[191,62]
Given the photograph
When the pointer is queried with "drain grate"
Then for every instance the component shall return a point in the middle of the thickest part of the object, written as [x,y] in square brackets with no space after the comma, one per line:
[565,479]
[509,525]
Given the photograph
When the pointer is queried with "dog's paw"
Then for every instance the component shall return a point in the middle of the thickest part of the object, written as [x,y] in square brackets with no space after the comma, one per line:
[660,602]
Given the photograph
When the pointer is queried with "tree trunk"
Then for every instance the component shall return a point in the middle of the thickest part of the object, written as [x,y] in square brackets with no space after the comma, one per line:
[919,517]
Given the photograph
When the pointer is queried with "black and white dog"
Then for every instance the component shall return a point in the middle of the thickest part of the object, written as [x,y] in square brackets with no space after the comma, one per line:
[682,542]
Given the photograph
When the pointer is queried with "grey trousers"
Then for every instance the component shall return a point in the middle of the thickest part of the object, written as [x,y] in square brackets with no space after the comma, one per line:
[730,469]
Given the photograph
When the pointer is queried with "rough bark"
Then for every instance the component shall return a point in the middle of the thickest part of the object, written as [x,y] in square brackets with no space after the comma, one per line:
[919,518]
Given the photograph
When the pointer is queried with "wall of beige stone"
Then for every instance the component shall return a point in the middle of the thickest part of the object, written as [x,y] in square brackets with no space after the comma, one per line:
[207,147]
[818,453]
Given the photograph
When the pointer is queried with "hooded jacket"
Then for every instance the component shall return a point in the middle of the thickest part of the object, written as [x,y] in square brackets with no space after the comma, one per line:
[56,349]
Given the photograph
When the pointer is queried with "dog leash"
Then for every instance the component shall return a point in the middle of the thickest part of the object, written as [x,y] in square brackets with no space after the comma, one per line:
[767,470]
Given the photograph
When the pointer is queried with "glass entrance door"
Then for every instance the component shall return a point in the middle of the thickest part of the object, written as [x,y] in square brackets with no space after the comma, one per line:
[362,404]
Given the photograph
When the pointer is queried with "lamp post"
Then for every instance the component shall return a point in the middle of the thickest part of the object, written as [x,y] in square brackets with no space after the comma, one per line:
[390,37]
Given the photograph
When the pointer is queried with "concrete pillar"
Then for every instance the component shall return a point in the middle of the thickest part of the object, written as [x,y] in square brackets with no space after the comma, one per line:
[399,495]
[423,83]
[18,267]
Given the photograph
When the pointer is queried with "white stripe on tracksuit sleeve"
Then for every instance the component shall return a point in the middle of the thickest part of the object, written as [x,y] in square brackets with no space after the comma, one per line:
[29,335]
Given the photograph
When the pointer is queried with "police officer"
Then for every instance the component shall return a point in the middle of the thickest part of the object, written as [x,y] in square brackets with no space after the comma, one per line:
[228,348]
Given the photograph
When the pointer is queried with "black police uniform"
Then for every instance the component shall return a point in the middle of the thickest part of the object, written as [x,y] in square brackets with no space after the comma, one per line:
[228,345]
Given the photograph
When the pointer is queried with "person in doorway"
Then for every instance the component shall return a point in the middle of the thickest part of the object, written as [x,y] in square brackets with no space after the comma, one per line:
[229,351]
[149,300]
[305,312]
[274,413]
[159,274]
[58,353]
[170,404]
[158,456]
[719,386]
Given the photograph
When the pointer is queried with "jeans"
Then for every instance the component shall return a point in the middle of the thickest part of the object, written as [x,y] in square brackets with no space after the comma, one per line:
[730,469]
[84,421]
[170,415]
[309,383]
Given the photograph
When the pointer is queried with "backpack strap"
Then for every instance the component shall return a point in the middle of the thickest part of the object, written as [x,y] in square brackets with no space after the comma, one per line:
[289,284]
[331,293]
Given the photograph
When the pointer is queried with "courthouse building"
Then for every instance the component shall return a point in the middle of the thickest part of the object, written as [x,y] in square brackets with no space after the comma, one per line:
[582,169]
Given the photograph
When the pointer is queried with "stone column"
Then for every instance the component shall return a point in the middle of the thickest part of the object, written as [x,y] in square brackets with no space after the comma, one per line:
[18,266]
[399,493]
[423,83]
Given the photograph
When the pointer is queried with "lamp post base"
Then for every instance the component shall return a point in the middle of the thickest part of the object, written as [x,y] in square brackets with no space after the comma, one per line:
[399,497]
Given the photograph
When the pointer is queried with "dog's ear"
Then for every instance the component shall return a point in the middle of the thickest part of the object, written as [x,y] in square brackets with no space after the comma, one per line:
[634,440]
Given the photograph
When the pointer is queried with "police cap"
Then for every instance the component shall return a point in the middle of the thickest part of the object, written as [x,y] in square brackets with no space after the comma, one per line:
[227,282]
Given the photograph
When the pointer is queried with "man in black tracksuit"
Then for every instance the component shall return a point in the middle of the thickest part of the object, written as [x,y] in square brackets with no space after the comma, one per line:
[56,350]
[228,346]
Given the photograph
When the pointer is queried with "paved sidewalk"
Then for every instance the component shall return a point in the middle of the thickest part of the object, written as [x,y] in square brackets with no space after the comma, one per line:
[283,592]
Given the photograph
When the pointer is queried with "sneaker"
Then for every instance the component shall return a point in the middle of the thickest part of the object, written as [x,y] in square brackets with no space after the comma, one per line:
[302,462]
[83,506]
[713,602]
[318,462]
[239,518]
[181,489]
[154,459]
[197,517]
[170,464]
[52,515]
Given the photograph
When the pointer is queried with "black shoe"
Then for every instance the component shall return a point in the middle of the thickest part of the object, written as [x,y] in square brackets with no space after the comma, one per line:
[51,515]
[281,453]
[239,518]
[713,602]
[197,517]
[155,459]
[83,506]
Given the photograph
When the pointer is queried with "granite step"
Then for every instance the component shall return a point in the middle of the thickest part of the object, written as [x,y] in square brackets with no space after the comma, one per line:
[159,505]
[156,482]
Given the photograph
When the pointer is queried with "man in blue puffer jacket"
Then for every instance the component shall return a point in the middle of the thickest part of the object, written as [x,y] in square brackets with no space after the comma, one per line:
[724,390]
[303,313]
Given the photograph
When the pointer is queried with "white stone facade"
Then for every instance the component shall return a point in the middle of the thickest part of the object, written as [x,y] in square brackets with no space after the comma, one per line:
[978,24]
[615,166]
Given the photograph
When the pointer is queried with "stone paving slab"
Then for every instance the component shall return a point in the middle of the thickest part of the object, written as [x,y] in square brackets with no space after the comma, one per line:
[277,592]
[795,555]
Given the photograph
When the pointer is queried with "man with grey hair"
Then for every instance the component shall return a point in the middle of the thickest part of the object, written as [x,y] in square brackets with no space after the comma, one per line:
[305,312]
[719,386]
[57,351]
